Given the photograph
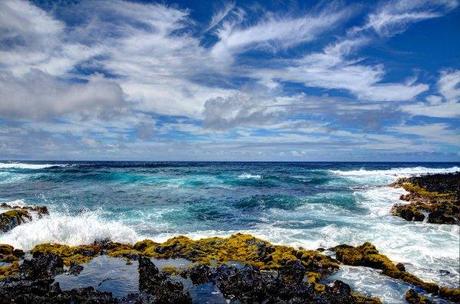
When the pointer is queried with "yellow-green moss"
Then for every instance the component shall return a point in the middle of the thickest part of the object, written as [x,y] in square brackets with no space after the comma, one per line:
[171,269]
[12,218]
[452,294]
[122,250]
[8,254]
[9,270]
[242,248]
[17,213]
[422,192]
[313,277]
[362,299]
[367,255]
[319,287]
[70,254]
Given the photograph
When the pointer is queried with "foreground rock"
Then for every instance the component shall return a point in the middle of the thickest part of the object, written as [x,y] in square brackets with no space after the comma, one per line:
[367,255]
[243,268]
[435,198]
[16,216]
[157,283]
[263,273]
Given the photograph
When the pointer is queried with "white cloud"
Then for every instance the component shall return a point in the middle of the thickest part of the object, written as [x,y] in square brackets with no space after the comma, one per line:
[395,16]
[331,69]
[274,32]
[242,110]
[433,133]
[447,105]
[220,15]
[39,95]
[335,67]
[449,85]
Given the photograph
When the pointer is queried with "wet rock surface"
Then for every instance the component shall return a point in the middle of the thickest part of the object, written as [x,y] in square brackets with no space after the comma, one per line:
[367,255]
[435,198]
[13,218]
[15,215]
[158,284]
[412,297]
[242,268]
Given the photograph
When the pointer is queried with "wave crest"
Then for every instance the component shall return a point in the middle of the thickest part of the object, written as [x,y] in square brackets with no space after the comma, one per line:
[249,176]
[399,172]
[28,166]
[68,229]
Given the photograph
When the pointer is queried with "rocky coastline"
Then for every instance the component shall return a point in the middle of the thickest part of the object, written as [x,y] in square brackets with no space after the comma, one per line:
[240,268]
[245,269]
[434,198]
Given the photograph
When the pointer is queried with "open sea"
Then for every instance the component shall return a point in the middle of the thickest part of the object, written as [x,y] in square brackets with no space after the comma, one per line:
[310,205]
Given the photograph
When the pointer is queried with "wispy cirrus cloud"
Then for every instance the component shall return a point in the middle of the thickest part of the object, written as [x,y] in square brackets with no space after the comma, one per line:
[393,17]
[335,67]
[446,104]
[118,76]
[275,32]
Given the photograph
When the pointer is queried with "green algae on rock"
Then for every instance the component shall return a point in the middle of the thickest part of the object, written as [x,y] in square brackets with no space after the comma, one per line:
[16,216]
[437,195]
[13,218]
[367,255]
[267,272]
[239,247]
[412,297]
[11,257]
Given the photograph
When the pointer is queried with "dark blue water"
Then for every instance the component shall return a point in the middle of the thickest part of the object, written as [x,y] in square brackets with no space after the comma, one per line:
[300,204]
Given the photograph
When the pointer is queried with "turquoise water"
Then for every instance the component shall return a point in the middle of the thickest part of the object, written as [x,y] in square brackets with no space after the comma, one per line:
[300,204]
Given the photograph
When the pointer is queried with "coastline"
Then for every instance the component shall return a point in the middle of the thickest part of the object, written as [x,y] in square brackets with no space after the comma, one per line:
[378,212]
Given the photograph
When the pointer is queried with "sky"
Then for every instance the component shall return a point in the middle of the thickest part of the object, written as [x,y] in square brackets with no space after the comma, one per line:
[230,80]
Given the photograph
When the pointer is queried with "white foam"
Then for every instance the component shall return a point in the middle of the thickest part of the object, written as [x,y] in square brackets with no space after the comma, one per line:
[68,229]
[394,172]
[249,176]
[28,166]
[379,200]
[372,283]
[16,203]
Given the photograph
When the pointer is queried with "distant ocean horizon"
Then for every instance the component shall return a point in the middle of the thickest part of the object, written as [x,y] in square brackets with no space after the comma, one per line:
[302,204]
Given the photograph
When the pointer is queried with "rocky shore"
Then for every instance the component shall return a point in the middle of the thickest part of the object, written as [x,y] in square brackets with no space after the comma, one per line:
[237,269]
[244,269]
[434,198]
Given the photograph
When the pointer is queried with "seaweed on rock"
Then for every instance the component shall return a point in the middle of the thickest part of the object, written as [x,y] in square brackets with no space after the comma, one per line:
[367,255]
[437,195]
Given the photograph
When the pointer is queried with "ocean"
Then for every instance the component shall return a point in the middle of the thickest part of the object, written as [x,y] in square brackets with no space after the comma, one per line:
[307,205]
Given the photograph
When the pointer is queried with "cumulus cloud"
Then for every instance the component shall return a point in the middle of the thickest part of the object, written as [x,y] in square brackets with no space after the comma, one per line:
[242,110]
[65,73]
[39,95]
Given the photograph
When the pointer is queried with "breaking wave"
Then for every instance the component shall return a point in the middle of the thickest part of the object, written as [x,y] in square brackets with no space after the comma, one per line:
[28,166]
[62,228]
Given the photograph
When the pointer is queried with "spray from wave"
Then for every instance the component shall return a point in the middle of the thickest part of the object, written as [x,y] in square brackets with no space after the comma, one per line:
[63,228]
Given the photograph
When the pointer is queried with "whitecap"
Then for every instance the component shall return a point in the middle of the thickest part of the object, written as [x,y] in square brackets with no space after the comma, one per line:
[249,176]
[394,172]
[28,166]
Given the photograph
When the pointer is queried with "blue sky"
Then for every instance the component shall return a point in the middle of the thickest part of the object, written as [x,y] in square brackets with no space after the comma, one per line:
[230,80]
